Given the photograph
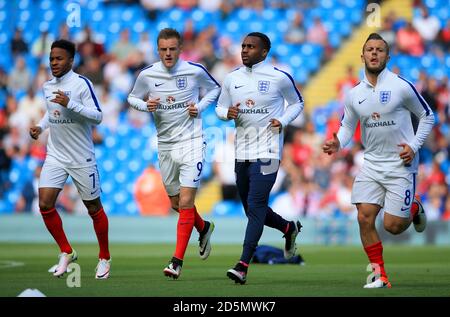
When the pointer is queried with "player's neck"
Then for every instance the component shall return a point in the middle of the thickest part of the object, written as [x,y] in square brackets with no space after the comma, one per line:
[60,77]
[372,77]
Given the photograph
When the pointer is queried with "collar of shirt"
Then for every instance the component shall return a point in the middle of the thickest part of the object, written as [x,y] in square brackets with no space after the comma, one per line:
[380,78]
[255,67]
[64,78]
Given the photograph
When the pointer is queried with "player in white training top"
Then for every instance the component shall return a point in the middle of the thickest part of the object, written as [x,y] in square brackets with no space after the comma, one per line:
[255,96]
[72,110]
[383,103]
[170,90]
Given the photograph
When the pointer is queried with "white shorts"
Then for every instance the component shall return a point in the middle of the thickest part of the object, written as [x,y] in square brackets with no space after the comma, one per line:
[394,193]
[181,167]
[86,179]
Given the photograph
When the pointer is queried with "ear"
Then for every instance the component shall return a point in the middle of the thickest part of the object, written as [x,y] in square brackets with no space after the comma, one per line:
[265,52]
[362,58]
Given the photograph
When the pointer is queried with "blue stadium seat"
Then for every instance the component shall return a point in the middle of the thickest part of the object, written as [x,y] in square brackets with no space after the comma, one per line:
[228,209]
[356,16]
[107,165]
[131,207]
[301,74]
[334,39]
[109,206]
[6,207]
[107,186]
[110,142]
[120,177]
[135,166]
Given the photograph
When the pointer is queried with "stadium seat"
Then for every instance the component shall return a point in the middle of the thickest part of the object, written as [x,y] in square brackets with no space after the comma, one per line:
[228,208]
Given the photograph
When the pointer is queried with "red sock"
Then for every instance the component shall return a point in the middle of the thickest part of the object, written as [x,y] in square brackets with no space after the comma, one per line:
[199,223]
[185,225]
[375,255]
[101,230]
[54,225]
[287,228]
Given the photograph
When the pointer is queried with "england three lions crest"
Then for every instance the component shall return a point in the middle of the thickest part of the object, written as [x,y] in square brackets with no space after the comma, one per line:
[263,86]
[385,97]
[181,82]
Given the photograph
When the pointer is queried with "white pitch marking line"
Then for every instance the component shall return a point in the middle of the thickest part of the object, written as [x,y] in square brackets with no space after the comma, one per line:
[9,264]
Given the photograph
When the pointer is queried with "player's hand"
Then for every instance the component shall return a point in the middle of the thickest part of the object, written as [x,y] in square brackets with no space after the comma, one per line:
[35,132]
[407,154]
[60,98]
[152,104]
[332,146]
[192,109]
[233,111]
[275,125]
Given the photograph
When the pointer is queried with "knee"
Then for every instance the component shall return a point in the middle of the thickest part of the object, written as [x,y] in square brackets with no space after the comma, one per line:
[45,205]
[185,204]
[365,220]
[93,206]
[175,206]
[393,228]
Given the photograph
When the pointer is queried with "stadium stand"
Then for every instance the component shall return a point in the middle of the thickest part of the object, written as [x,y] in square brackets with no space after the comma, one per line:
[127,146]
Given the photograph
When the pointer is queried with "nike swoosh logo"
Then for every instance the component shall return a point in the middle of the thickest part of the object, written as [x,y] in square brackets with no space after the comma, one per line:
[404,209]
[157,85]
[48,97]
[360,102]
[237,87]
[196,180]
[94,192]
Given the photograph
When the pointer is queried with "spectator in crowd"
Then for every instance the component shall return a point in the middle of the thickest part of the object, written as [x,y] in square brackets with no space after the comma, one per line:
[32,106]
[28,198]
[427,26]
[41,47]
[123,48]
[346,83]
[146,48]
[409,41]
[444,37]
[88,47]
[317,33]
[18,44]
[5,166]
[111,107]
[388,33]
[446,213]
[296,33]
[42,75]
[154,7]
[20,77]
[224,66]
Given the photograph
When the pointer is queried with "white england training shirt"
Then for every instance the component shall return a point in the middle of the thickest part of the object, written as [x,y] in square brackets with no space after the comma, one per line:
[261,91]
[176,88]
[384,111]
[70,138]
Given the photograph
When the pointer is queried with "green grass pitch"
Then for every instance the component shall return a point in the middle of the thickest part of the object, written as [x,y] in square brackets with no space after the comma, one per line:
[137,271]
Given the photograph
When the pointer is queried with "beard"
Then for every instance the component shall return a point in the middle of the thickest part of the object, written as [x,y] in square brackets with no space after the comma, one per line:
[376,70]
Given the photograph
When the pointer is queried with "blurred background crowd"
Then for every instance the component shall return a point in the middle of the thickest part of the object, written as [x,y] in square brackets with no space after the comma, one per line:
[115,39]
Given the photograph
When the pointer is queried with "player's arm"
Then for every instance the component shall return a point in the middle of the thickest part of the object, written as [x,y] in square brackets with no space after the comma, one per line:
[88,108]
[225,110]
[417,105]
[137,95]
[294,101]
[345,133]
[209,84]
